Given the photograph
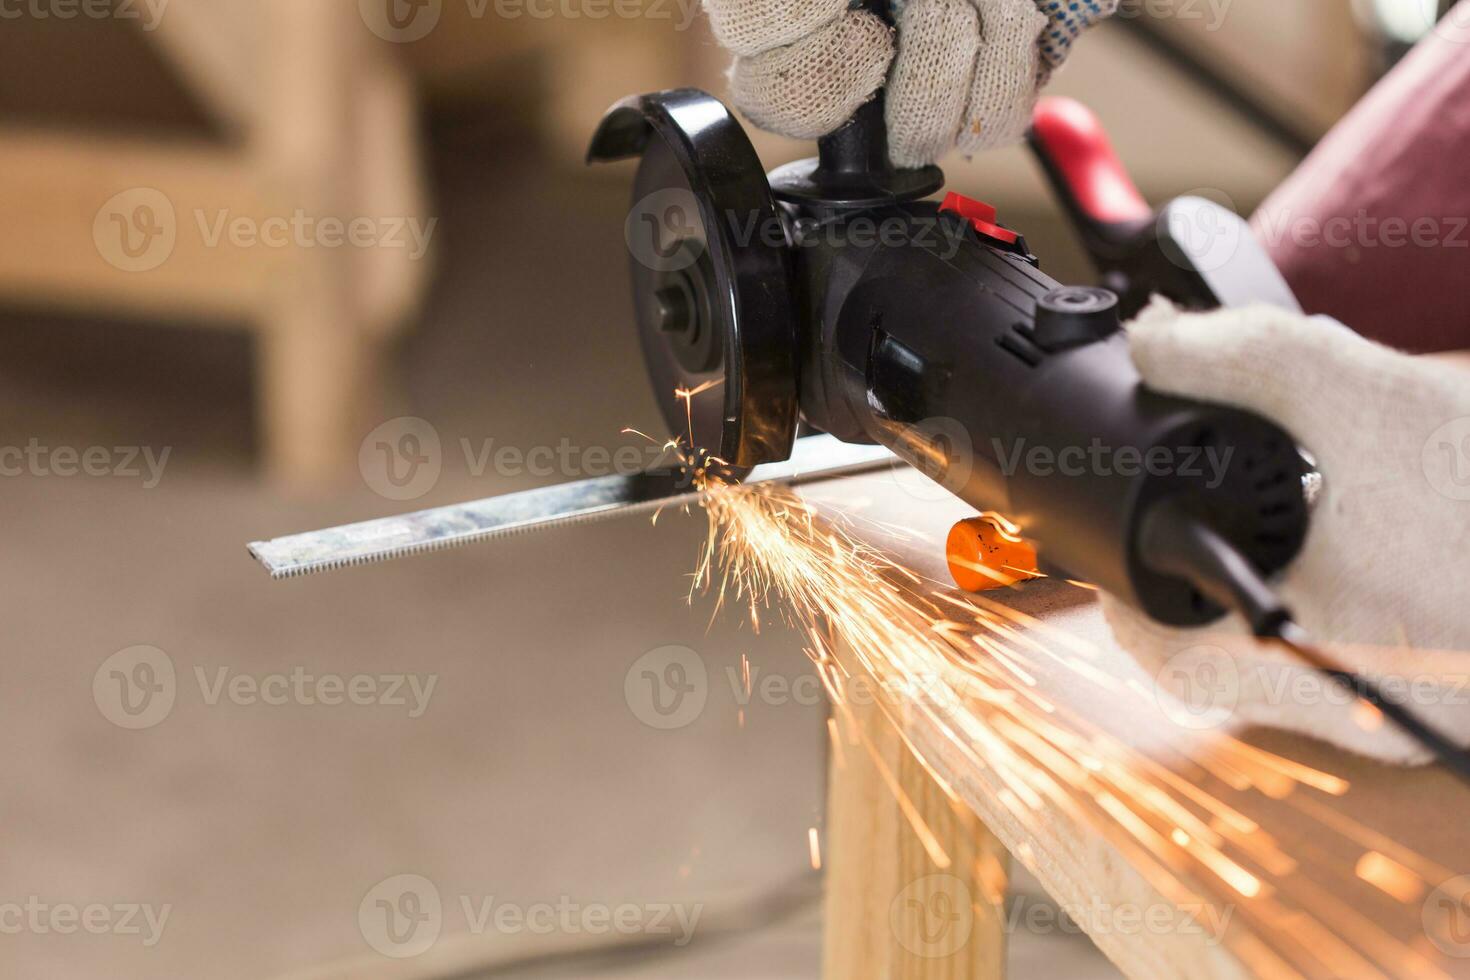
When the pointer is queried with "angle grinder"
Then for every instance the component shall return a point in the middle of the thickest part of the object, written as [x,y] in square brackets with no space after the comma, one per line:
[836,295]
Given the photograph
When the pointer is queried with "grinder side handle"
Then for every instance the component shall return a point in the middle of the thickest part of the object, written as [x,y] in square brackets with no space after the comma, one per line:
[853,168]
[861,146]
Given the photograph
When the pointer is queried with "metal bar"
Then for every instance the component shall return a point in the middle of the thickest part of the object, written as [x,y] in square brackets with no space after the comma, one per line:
[814,458]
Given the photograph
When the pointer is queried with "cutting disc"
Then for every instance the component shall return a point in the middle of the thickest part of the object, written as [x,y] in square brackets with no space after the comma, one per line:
[711,275]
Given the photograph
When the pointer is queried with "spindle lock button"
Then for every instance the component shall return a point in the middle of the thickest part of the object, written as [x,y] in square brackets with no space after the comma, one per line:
[1073,316]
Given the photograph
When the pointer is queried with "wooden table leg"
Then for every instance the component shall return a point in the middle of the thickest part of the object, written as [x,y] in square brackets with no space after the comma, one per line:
[893,912]
[322,346]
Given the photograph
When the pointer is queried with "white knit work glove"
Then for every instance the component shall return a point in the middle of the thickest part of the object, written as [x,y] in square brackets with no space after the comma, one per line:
[1383,584]
[967,72]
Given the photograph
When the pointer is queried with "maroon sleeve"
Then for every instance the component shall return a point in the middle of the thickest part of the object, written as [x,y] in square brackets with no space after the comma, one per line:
[1374,228]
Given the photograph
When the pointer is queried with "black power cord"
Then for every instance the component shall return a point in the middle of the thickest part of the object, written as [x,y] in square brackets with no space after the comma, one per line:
[1174,540]
[1457,759]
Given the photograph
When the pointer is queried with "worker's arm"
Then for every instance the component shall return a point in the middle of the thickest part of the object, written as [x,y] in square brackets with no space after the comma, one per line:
[965,73]
[1374,228]
[1381,583]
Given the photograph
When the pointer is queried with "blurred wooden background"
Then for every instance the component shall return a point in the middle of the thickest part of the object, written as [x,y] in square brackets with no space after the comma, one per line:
[264,107]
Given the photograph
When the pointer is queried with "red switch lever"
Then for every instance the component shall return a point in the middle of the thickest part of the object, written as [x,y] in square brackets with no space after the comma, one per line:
[981,216]
[1082,162]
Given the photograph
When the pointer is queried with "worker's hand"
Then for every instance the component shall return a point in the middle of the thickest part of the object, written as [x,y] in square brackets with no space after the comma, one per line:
[1383,584]
[967,72]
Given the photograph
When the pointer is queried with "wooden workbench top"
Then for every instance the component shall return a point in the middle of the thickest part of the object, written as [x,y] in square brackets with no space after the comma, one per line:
[1319,859]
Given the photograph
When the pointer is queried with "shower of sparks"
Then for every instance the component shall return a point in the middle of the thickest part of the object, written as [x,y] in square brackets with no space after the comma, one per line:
[966,668]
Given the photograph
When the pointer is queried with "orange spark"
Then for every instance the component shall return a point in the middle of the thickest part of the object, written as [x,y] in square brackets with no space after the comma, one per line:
[1390,877]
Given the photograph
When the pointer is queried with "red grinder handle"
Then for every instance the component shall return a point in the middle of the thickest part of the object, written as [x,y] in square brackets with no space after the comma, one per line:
[1086,172]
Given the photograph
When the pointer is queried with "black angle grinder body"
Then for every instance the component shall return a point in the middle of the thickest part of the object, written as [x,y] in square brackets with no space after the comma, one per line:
[835,292]
[1020,395]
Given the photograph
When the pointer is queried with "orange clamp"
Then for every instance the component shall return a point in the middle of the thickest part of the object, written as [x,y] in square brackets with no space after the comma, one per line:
[988,552]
